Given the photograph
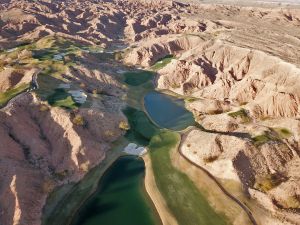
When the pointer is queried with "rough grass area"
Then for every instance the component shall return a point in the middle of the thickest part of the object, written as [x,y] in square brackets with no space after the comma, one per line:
[240,114]
[261,139]
[161,63]
[190,99]
[187,204]
[6,96]
[269,181]
[137,78]
[275,134]
[61,98]
[283,132]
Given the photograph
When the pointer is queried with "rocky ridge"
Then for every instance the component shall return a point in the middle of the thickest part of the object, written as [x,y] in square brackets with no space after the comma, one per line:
[237,67]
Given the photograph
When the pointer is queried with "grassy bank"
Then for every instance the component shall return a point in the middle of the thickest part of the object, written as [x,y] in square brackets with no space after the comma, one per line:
[188,205]
[6,96]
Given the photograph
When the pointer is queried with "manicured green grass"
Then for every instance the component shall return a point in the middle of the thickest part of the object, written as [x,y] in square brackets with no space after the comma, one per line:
[186,202]
[141,128]
[162,62]
[61,98]
[137,78]
[6,96]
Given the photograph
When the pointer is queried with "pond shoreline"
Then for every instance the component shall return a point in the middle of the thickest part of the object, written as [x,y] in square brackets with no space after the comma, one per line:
[155,196]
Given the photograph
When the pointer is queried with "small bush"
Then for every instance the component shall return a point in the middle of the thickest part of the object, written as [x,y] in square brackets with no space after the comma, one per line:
[191,99]
[242,114]
[44,108]
[85,166]
[292,202]
[119,56]
[124,125]
[61,175]
[78,120]
[261,139]
[95,91]
[210,159]
[268,182]
[283,133]
[214,111]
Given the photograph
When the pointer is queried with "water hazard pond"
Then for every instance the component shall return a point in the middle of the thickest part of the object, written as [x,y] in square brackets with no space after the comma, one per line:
[120,198]
[168,111]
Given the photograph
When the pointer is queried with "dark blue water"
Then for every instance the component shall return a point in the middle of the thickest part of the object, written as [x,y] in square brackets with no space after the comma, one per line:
[121,198]
[168,111]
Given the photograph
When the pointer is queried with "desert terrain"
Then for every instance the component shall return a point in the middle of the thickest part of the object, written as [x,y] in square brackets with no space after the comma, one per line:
[235,65]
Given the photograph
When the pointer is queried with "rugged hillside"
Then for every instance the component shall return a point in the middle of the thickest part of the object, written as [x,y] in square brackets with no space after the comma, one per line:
[238,69]
[61,110]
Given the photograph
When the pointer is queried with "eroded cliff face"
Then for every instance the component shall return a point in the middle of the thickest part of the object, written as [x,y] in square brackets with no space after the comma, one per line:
[41,149]
[237,67]
[60,105]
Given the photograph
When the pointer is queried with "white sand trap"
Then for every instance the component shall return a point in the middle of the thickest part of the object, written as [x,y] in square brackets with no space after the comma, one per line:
[133,149]
[78,95]
[59,56]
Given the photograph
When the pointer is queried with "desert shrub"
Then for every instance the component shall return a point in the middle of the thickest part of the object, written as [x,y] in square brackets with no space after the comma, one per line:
[61,175]
[261,139]
[78,120]
[210,159]
[242,114]
[43,108]
[283,132]
[292,202]
[119,56]
[214,111]
[268,182]
[85,166]
[95,91]
[191,99]
[123,125]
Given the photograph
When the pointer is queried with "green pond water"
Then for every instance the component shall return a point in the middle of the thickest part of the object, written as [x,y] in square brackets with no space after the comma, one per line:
[168,111]
[121,198]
